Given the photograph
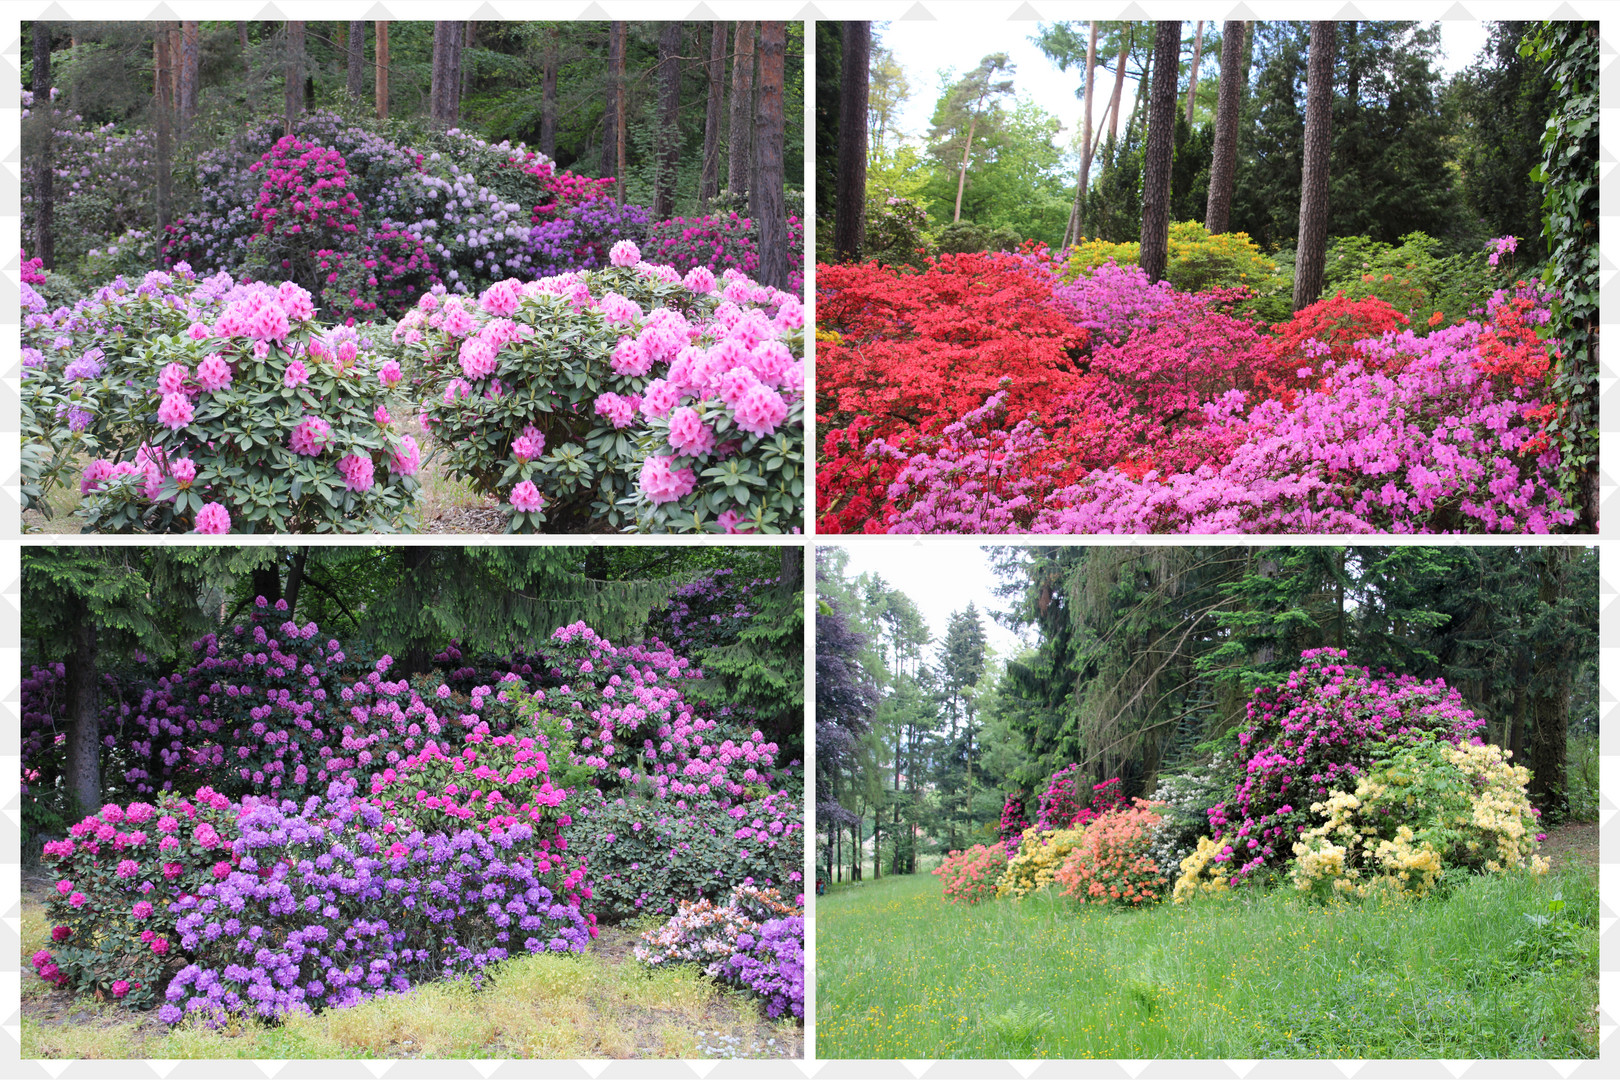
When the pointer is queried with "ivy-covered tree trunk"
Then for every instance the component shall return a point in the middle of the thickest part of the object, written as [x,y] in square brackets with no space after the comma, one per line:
[43,240]
[356,55]
[849,227]
[1223,165]
[1551,682]
[1311,261]
[742,108]
[1569,175]
[668,140]
[1160,148]
[770,130]
[714,114]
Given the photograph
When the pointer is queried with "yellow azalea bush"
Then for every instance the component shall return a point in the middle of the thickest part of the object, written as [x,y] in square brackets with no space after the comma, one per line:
[1036,864]
[1201,873]
[1429,807]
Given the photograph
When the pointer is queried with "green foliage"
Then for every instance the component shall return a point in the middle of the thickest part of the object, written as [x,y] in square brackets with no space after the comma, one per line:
[1569,175]
[896,231]
[1413,277]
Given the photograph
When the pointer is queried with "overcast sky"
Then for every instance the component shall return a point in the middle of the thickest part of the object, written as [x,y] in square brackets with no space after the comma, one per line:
[940,575]
[926,48]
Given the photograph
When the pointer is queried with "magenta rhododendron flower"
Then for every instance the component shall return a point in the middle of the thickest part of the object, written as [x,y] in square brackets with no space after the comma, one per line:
[630,358]
[619,411]
[526,498]
[406,460]
[213,519]
[760,410]
[528,447]
[310,436]
[184,471]
[390,374]
[700,279]
[477,358]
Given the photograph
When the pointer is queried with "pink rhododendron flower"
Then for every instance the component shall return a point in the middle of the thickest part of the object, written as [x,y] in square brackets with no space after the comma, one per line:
[528,447]
[296,375]
[357,472]
[620,411]
[390,374]
[406,459]
[760,410]
[624,253]
[526,498]
[310,436]
[688,433]
[214,373]
[173,378]
[176,411]
[477,358]
[94,473]
[629,358]
[184,471]
[661,484]
[381,416]
[700,279]
[213,520]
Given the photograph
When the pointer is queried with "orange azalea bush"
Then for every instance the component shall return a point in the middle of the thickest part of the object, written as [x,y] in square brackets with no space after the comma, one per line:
[1112,864]
[971,875]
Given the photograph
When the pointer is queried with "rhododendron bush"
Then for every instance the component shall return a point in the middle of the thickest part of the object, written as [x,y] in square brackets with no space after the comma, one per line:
[212,406]
[313,832]
[631,394]
[986,393]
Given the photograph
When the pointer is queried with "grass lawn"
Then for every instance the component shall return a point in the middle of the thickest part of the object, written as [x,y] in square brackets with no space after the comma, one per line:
[903,974]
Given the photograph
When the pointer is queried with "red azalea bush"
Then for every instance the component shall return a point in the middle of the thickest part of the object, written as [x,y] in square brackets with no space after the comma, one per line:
[970,876]
[1112,863]
[985,394]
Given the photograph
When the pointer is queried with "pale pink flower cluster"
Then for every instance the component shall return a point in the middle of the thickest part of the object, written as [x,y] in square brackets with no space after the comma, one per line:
[214,373]
[662,484]
[176,411]
[406,459]
[263,312]
[624,253]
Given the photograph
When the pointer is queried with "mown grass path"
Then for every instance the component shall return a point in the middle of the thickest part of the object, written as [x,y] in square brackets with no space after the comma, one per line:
[903,974]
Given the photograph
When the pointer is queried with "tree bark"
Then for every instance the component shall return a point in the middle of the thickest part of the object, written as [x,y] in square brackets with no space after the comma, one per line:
[294,68]
[163,135]
[81,694]
[668,142]
[356,47]
[1549,781]
[1071,233]
[190,61]
[709,185]
[380,52]
[1192,78]
[441,93]
[44,238]
[1119,80]
[849,225]
[548,94]
[1223,164]
[742,108]
[1160,148]
[463,71]
[1310,262]
[770,129]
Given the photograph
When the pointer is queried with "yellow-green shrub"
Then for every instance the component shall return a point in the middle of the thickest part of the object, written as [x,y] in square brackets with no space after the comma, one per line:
[1198,260]
[1430,807]
[1039,856]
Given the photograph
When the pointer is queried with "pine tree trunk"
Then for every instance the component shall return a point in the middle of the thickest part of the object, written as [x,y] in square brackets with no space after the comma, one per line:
[1223,164]
[1310,261]
[610,104]
[770,129]
[294,68]
[668,142]
[742,109]
[849,226]
[380,51]
[463,69]
[443,63]
[714,116]
[82,705]
[1119,80]
[163,135]
[43,172]
[1160,149]
[548,95]
[190,61]
[1071,233]
[356,50]
[1192,79]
